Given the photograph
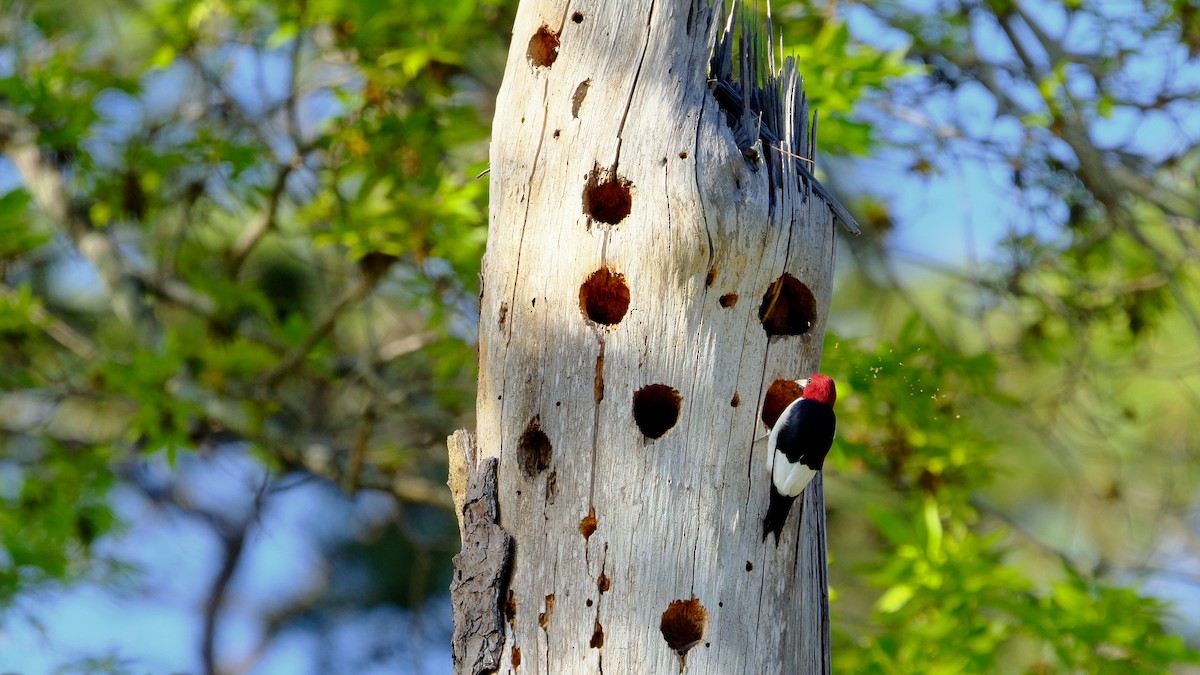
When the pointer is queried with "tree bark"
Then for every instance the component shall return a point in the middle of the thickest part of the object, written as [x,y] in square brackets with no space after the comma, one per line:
[656,275]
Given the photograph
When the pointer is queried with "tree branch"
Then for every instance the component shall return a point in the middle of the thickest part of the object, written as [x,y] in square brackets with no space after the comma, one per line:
[986,508]
[234,543]
[260,225]
[124,281]
[263,224]
[45,184]
[57,329]
[293,114]
[362,441]
[292,359]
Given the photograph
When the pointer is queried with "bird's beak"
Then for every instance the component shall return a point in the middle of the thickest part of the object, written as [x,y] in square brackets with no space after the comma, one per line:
[804,382]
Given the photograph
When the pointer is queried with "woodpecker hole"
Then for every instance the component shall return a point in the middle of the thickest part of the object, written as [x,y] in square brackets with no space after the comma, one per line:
[544,617]
[710,277]
[503,314]
[604,297]
[557,133]
[516,657]
[683,624]
[788,307]
[543,47]
[510,609]
[603,583]
[597,636]
[779,395]
[749,566]
[588,525]
[534,449]
[607,199]
[588,602]
[656,409]
[578,97]
[728,300]
[735,401]
[683,154]
[577,17]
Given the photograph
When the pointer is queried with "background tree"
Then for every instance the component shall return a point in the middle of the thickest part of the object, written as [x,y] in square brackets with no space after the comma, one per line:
[245,234]
[239,230]
[1082,116]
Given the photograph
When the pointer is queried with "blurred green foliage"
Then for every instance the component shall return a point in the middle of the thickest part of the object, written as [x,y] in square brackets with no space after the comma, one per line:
[951,599]
[241,221]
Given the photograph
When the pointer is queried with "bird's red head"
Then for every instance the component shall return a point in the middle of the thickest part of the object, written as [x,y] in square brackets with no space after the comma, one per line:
[819,388]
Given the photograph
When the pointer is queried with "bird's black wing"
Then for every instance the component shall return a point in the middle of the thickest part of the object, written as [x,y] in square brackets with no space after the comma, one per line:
[808,437]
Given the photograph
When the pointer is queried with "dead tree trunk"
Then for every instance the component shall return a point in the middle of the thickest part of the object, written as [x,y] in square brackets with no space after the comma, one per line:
[658,270]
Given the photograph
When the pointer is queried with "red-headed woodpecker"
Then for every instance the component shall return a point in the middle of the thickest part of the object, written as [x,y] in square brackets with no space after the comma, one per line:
[798,444]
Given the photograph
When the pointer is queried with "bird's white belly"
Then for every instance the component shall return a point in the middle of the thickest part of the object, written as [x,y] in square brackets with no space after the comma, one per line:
[790,479]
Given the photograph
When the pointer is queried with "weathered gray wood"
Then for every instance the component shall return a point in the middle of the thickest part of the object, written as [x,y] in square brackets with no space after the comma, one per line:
[612,527]
[482,567]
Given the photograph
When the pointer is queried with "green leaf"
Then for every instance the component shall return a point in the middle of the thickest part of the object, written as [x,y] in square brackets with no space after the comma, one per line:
[163,57]
[895,598]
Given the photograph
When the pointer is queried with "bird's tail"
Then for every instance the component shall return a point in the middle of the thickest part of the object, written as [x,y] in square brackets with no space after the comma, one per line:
[777,513]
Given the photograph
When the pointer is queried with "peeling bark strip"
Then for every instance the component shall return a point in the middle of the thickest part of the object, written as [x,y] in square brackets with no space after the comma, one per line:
[769,105]
[481,569]
[623,404]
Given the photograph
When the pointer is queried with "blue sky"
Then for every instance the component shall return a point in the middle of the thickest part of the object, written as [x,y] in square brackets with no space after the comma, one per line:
[152,618]
[958,214]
